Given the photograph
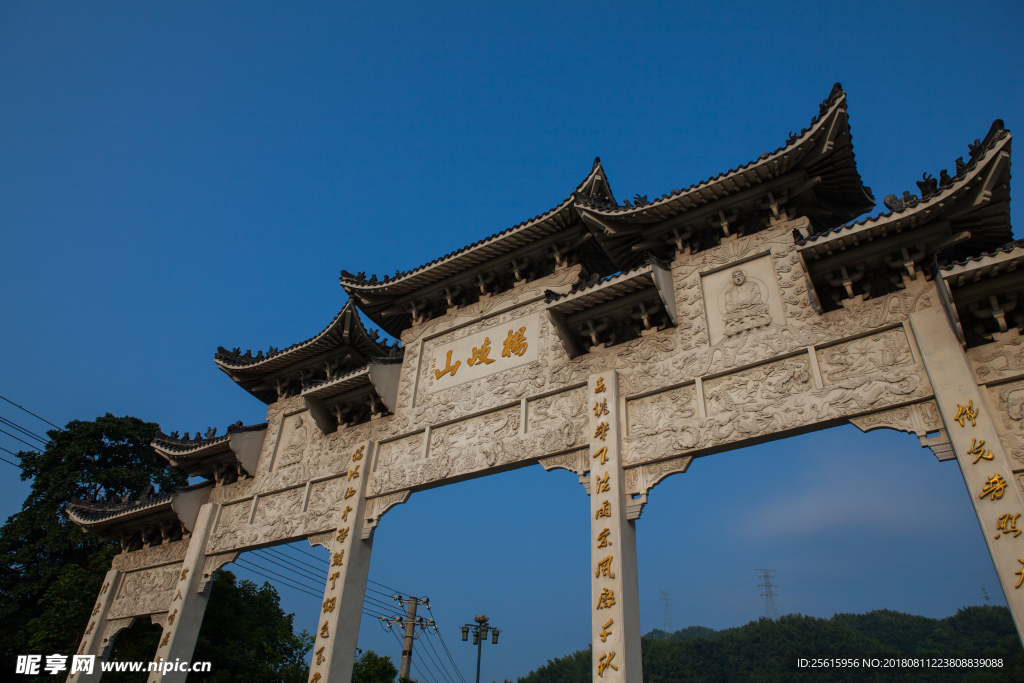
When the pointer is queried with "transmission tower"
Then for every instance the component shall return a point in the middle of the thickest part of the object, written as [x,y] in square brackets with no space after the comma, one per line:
[667,602]
[770,610]
[988,600]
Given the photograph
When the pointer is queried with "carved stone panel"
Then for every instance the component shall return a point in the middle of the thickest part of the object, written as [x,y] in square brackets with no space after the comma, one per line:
[462,447]
[501,347]
[145,591]
[505,380]
[295,438]
[561,414]
[876,353]
[279,515]
[752,402]
[151,557]
[742,298]
[653,414]
[1009,402]
[395,457]
[869,373]
[325,499]
[999,360]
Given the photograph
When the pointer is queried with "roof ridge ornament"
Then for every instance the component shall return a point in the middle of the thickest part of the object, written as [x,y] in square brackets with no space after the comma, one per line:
[929,186]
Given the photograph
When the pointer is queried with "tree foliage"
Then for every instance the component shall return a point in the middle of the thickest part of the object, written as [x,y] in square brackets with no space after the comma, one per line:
[373,668]
[50,572]
[766,650]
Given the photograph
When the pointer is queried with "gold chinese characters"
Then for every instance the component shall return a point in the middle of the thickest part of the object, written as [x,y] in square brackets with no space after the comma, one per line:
[515,344]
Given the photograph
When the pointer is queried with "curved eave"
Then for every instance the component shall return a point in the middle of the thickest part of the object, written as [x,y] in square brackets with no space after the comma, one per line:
[345,328]
[986,167]
[98,517]
[1008,258]
[489,248]
[340,385]
[179,450]
[828,136]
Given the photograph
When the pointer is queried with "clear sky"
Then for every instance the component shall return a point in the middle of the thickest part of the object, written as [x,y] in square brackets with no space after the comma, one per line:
[178,176]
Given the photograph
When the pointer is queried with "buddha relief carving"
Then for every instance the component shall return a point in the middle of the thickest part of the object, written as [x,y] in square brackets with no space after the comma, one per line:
[744,304]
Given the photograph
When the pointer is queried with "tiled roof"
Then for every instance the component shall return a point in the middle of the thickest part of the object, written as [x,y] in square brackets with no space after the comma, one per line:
[184,446]
[235,360]
[836,96]
[92,512]
[348,280]
[584,285]
[1005,249]
[979,152]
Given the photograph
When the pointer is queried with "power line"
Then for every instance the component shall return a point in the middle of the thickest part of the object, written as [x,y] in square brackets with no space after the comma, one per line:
[31,413]
[289,566]
[440,660]
[8,461]
[23,430]
[445,646]
[770,610]
[667,601]
[988,600]
[30,445]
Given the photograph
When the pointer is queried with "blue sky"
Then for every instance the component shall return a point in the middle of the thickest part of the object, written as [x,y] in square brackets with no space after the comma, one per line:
[174,177]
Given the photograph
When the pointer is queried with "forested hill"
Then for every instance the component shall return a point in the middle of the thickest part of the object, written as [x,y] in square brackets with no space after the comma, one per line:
[766,650]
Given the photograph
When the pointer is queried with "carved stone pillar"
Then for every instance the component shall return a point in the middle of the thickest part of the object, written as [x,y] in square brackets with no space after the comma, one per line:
[975,440]
[615,595]
[337,632]
[185,614]
[96,641]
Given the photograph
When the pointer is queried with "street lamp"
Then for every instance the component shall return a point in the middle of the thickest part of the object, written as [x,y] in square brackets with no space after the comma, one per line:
[479,636]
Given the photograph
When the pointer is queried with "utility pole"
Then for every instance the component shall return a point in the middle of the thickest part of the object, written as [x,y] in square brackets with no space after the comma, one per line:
[479,636]
[410,633]
[409,622]
[988,600]
[770,610]
[667,601]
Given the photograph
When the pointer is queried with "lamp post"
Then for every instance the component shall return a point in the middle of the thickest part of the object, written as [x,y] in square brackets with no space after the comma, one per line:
[479,636]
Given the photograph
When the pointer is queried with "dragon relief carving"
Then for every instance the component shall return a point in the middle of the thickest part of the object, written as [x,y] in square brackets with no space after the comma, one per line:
[869,373]
[1009,402]
[997,360]
[145,592]
[860,376]
[454,450]
[279,516]
[563,416]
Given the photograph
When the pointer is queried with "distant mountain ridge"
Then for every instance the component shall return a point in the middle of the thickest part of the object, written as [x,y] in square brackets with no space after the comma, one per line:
[765,650]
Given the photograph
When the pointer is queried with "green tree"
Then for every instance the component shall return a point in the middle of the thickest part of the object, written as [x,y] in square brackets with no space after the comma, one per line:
[373,668]
[50,572]
[245,636]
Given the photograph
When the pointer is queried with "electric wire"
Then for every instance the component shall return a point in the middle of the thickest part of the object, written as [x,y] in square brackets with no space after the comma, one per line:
[423,660]
[445,645]
[11,463]
[315,557]
[23,430]
[303,590]
[438,662]
[393,590]
[289,566]
[249,566]
[288,579]
[31,413]
[30,445]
